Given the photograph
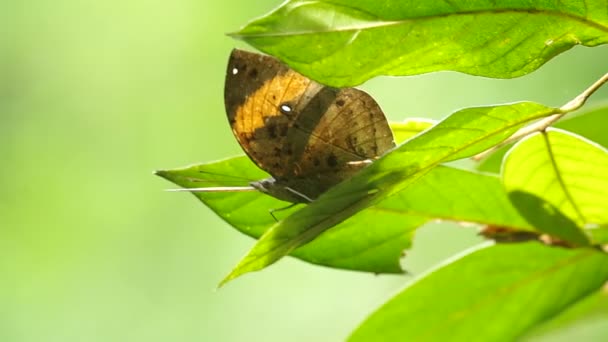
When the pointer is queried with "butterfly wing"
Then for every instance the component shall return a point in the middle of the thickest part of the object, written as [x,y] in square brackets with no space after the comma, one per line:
[263,98]
[307,136]
[341,128]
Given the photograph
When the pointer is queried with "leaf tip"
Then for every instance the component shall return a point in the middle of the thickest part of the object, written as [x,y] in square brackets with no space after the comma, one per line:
[232,275]
[160,173]
[234,34]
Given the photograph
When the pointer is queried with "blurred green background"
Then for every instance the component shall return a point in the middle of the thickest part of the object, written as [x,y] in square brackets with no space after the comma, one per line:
[94,96]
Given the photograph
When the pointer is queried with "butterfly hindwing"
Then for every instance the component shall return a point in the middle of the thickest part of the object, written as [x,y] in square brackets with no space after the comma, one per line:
[351,128]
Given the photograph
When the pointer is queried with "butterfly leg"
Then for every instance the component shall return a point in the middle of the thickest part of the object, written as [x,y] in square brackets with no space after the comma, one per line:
[298,194]
[272,211]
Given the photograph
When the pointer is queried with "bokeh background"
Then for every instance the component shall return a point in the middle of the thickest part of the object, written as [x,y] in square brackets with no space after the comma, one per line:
[96,95]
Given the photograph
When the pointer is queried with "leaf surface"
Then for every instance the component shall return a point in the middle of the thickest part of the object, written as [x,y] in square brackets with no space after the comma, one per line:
[587,320]
[344,42]
[462,134]
[554,177]
[372,240]
[409,128]
[495,293]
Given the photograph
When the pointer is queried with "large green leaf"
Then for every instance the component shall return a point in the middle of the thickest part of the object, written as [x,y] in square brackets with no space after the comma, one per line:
[345,42]
[462,134]
[587,320]
[373,239]
[568,173]
[547,218]
[493,294]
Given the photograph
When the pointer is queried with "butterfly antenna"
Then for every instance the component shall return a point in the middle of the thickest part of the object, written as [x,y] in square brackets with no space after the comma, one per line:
[216,189]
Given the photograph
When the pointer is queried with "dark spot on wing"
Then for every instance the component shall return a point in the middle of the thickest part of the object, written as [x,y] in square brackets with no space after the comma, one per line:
[283,130]
[351,142]
[253,73]
[244,137]
[331,160]
[340,103]
[316,161]
[272,131]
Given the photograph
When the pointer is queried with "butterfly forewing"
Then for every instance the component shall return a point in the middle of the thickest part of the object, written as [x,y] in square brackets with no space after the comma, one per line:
[263,98]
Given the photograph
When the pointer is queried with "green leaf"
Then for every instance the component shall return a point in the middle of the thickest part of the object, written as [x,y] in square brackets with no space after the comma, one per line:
[456,195]
[590,123]
[249,212]
[567,172]
[547,218]
[344,42]
[599,234]
[462,134]
[409,128]
[587,320]
[492,294]
[444,193]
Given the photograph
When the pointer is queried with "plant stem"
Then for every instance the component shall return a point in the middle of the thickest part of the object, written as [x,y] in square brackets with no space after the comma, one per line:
[543,124]
[580,100]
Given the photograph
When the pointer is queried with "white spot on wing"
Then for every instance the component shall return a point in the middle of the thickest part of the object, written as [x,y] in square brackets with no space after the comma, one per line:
[285,108]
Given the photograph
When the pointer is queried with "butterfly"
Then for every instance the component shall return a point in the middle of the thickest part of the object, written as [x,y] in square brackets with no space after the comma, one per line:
[307,136]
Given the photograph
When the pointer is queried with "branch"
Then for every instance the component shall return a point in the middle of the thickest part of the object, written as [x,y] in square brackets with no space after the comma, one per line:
[543,124]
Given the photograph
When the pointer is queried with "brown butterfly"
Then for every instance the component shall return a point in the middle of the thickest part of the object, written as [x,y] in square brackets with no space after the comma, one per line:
[307,136]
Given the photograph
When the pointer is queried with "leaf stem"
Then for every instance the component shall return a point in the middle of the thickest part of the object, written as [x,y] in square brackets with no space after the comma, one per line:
[543,124]
[580,100]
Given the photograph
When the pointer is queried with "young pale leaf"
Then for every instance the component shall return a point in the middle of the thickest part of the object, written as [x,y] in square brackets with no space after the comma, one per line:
[462,134]
[373,239]
[344,42]
[566,174]
[409,128]
[587,320]
[492,294]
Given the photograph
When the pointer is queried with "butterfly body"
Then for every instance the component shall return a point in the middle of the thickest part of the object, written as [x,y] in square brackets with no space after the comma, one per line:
[307,136]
